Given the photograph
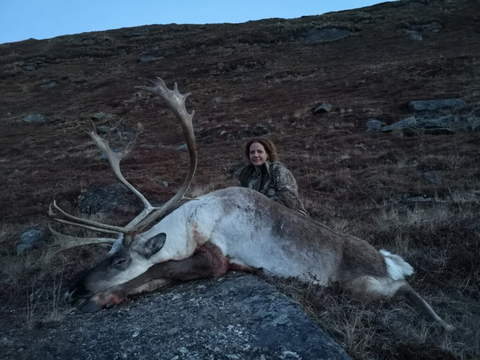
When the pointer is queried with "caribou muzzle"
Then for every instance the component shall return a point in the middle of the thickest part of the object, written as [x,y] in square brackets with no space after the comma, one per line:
[78,295]
[87,302]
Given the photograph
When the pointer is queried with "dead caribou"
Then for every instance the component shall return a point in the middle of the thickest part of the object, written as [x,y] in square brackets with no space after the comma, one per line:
[230,229]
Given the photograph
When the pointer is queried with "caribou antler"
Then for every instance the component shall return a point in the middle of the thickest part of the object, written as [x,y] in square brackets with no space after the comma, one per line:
[66,242]
[176,101]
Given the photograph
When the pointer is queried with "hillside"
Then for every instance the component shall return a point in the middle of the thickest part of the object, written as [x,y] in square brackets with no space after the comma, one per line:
[414,190]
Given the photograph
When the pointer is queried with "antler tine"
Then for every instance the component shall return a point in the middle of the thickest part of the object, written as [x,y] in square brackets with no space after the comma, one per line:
[81,222]
[114,159]
[66,242]
[176,101]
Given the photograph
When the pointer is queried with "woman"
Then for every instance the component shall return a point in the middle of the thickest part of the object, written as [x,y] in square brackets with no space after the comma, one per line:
[269,176]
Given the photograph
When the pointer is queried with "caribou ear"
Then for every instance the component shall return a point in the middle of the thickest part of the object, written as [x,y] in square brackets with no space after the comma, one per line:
[153,245]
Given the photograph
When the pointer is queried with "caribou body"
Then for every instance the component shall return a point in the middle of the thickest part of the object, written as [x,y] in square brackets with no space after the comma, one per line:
[230,229]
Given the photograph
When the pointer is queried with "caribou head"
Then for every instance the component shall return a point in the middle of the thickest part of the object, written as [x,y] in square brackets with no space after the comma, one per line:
[133,252]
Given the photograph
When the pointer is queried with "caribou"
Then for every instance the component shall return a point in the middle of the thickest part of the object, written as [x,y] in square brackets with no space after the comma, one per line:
[233,229]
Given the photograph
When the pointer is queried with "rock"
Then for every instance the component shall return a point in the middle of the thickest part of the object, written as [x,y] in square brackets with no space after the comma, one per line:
[29,66]
[415,37]
[422,198]
[49,84]
[322,108]
[99,116]
[31,239]
[164,183]
[324,35]
[410,122]
[423,105]
[436,121]
[147,58]
[374,125]
[235,317]
[434,124]
[215,100]
[105,199]
[34,118]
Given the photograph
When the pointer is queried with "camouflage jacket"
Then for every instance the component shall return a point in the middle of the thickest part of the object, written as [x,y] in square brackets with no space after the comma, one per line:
[275,181]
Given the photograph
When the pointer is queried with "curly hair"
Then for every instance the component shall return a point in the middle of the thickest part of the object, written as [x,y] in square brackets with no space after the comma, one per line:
[270,149]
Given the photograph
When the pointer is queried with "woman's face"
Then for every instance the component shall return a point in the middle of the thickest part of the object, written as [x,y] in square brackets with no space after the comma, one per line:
[258,155]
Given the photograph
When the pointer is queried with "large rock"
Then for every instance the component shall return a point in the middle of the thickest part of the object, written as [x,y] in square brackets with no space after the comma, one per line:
[424,122]
[31,239]
[435,124]
[235,317]
[34,118]
[437,104]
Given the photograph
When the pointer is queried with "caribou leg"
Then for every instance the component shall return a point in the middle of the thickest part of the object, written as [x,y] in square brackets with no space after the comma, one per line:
[370,287]
[416,301]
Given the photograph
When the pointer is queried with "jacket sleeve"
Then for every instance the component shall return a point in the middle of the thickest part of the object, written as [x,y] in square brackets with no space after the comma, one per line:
[287,189]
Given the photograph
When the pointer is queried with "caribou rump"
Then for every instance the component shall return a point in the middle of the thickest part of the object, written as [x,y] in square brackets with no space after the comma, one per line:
[229,229]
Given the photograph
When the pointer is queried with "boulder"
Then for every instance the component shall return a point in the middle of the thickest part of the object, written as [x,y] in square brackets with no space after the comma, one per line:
[31,239]
[238,316]
[322,108]
[415,37]
[34,118]
[374,125]
[423,105]
[432,123]
[147,58]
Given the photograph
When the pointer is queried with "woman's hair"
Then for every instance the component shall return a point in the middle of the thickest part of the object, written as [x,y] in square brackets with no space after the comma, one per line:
[270,149]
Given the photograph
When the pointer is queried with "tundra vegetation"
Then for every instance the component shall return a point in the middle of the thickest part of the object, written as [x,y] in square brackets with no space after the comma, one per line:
[414,192]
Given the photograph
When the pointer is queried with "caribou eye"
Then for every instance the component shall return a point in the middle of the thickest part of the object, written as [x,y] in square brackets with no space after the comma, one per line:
[120,263]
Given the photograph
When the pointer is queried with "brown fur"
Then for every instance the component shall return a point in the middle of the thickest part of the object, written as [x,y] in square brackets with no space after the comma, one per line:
[359,259]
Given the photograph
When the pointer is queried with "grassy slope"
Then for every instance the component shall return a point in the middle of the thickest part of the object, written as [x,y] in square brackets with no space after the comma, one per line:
[353,181]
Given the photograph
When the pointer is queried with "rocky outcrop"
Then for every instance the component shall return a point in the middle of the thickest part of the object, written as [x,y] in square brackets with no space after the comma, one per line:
[235,317]
[423,105]
[434,117]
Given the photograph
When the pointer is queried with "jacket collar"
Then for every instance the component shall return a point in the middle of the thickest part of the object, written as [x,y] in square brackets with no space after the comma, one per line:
[267,166]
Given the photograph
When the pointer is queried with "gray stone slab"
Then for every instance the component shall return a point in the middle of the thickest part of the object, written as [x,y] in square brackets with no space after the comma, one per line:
[235,317]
